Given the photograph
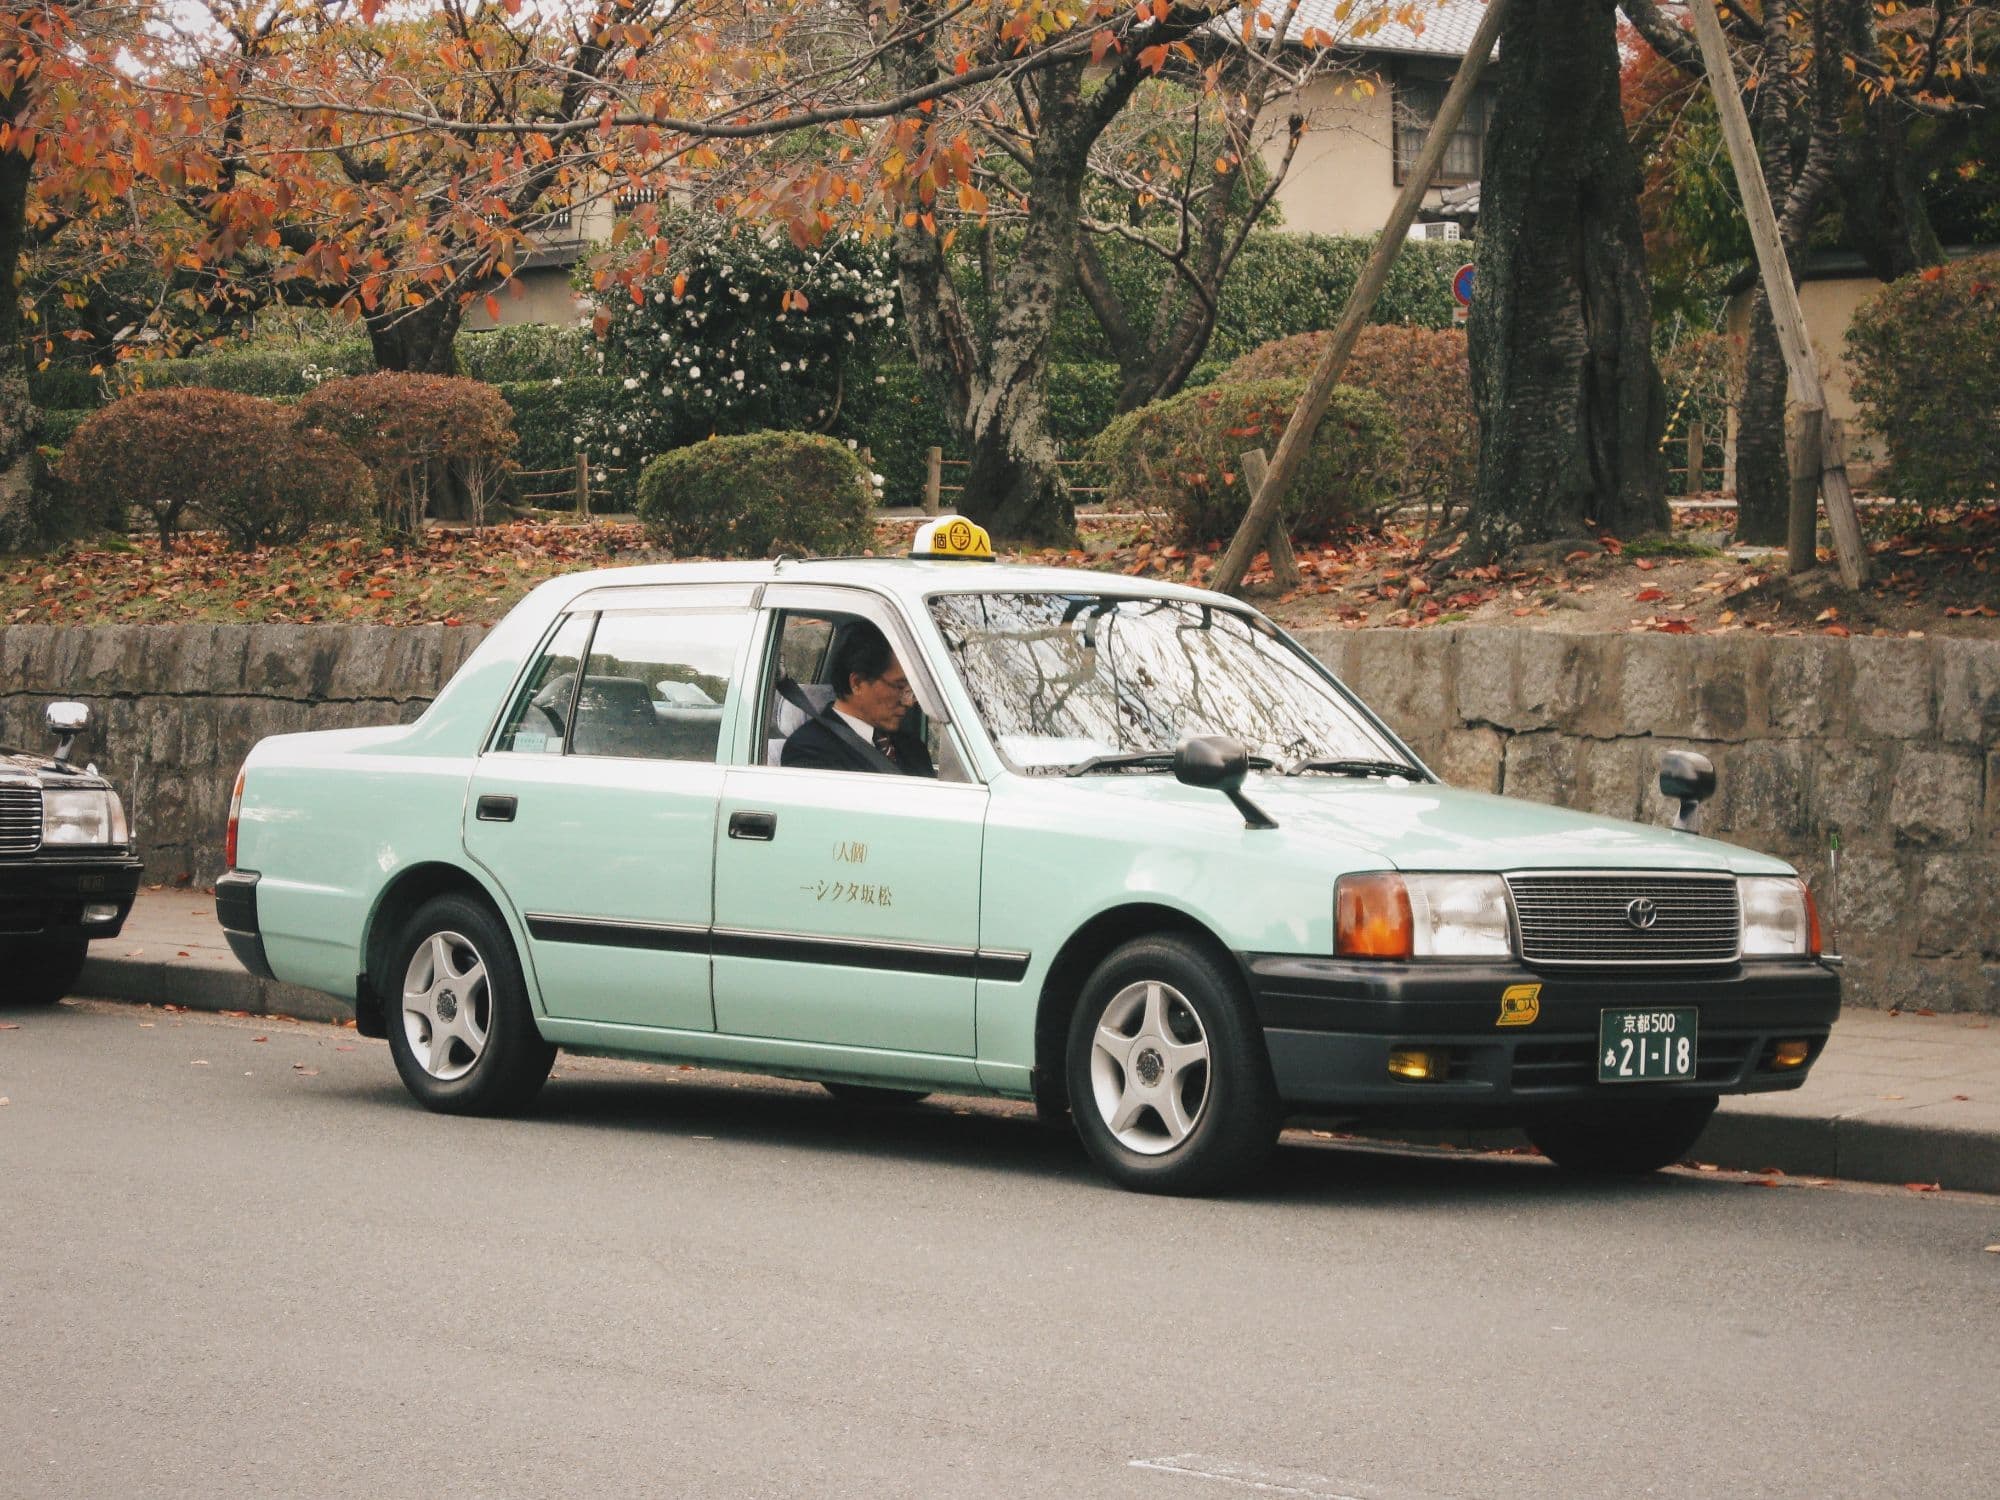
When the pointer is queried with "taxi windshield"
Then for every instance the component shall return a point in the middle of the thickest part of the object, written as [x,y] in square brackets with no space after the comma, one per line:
[1062,681]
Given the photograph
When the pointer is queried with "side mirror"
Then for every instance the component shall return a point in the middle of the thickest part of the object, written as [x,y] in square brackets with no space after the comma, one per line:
[1219,763]
[1690,780]
[66,721]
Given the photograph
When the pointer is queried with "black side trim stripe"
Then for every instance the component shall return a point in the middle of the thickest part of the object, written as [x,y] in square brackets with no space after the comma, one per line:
[654,936]
[856,953]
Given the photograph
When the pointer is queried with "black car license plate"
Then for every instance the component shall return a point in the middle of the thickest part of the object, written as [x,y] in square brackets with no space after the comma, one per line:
[1646,1046]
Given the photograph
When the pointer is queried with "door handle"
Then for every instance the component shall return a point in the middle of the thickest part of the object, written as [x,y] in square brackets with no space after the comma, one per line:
[495,809]
[760,826]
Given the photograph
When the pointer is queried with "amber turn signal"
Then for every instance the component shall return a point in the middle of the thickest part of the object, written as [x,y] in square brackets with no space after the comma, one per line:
[1372,917]
[1790,1054]
[1814,946]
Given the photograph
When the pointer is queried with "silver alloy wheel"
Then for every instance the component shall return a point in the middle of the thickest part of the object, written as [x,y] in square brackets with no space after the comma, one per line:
[447,1005]
[1149,1067]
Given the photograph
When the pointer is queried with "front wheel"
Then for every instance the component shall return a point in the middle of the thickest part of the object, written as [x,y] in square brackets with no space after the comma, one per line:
[1623,1137]
[42,971]
[459,1024]
[1169,1082]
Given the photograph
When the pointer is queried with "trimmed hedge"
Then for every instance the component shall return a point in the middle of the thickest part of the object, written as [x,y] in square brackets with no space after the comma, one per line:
[221,457]
[549,416]
[421,436]
[757,495]
[1183,456]
[1926,355]
[1422,376]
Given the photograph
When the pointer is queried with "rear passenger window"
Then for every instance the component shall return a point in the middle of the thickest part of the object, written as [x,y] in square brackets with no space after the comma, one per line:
[540,720]
[655,684]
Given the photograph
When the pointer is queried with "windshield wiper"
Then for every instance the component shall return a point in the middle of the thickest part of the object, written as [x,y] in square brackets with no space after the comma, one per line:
[1357,768]
[1146,758]
[1123,758]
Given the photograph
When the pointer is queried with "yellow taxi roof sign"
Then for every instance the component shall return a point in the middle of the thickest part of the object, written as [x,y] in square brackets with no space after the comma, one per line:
[953,538]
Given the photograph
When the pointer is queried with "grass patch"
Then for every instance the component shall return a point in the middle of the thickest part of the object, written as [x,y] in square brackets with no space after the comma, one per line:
[1660,544]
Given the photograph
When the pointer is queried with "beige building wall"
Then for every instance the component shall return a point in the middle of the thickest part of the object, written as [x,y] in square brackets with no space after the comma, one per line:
[1343,180]
[1829,305]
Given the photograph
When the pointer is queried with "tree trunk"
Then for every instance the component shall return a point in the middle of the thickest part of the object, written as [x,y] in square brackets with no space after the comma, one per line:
[22,528]
[1763,475]
[418,340]
[1570,406]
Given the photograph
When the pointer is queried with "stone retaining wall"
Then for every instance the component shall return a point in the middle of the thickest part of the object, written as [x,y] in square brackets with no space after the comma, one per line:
[1892,747]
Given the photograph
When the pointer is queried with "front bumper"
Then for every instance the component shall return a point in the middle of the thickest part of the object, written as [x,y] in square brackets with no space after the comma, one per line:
[1330,1025]
[46,896]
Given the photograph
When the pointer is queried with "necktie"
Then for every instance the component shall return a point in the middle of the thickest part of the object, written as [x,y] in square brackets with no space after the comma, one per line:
[886,743]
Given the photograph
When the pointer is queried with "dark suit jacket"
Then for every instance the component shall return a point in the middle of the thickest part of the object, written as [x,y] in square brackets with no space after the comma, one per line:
[815,743]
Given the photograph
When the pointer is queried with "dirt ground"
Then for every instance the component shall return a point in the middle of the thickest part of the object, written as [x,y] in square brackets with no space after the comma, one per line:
[1928,576]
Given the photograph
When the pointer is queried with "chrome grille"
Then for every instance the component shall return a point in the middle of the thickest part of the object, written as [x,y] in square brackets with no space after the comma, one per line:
[20,819]
[1581,918]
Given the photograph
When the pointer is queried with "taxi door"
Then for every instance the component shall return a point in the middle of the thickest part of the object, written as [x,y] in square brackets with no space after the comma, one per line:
[846,903]
[594,809]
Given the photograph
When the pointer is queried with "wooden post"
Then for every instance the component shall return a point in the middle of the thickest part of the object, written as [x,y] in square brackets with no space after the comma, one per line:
[1277,541]
[1803,451]
[1697,453]
[933,479]
[1783,296]
[582,483]
[1306,416]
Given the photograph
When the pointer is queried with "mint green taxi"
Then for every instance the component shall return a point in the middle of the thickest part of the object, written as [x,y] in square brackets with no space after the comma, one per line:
[1116,846]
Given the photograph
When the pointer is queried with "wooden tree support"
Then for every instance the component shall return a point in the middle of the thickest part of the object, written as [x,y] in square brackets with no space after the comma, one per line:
[1776,272]
[1277,541]
[1306,416]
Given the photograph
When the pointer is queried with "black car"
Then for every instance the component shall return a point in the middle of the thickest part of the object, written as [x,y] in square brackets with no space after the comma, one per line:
[67,871]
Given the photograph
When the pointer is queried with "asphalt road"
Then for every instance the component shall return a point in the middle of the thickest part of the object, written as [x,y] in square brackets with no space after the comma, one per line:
[236,1260]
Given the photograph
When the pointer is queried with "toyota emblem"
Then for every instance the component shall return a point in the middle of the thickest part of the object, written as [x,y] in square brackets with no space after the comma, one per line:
[1642,913]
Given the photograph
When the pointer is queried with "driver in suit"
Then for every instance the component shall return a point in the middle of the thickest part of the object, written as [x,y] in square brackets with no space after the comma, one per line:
[862,729]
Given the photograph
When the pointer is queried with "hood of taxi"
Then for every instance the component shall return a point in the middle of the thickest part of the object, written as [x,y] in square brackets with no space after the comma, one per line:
[1428,826]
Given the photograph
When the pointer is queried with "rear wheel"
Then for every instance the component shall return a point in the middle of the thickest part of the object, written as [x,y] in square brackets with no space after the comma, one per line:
[1625,1137]
[1169,1082]
[459,1024]
[868,1094]
[40,971]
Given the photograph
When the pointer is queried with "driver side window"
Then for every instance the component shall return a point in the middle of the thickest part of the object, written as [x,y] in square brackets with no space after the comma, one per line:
[540,717]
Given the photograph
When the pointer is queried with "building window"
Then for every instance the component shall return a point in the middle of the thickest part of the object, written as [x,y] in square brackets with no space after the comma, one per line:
[1416,105]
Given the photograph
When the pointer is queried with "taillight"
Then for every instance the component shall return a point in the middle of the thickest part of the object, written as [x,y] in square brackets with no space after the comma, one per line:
[235,813]
[1815,945]
[1372,917]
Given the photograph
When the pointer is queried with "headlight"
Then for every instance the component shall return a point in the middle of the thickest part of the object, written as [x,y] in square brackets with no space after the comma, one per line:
[1779,918]
[82,816]
[1384,915]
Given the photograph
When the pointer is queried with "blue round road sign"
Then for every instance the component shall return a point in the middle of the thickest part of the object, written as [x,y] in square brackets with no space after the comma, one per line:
[1461,286]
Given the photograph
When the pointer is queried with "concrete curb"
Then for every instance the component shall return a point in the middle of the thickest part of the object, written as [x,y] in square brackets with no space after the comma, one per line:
[197,986]
[1741,1138]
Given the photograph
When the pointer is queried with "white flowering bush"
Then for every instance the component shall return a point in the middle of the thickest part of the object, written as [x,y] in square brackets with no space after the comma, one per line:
[751,333]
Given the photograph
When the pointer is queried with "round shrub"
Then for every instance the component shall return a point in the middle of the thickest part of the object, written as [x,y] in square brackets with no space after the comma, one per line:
[310,479]
[756,495]
[1926,356]
[424,438]
[1184,456]
[1422,376]
[216,457]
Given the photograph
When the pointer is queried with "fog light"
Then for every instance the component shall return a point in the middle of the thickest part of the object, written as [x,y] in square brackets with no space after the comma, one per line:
[1418,1062]
[100,911]
[1790,1054]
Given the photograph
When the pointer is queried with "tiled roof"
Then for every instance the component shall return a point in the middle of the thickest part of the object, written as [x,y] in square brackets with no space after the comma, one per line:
[1443,28]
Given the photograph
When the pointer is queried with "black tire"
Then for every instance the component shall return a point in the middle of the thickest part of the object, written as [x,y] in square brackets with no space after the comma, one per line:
[508,1067]
[1621,1137]
[1228,1106]
[41,971]
[868,1095]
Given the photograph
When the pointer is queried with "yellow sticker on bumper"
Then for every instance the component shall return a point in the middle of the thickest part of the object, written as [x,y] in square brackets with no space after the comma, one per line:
[1520,1005]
